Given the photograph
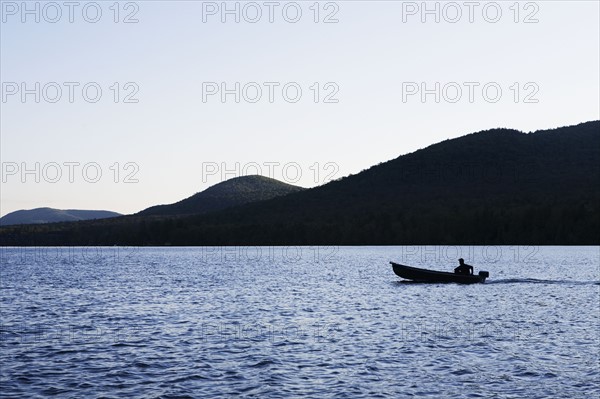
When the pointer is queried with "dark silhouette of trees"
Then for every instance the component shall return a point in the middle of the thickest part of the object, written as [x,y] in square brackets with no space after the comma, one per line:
[493,187]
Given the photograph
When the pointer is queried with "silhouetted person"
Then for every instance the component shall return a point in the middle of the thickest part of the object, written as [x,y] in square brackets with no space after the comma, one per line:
[463,268]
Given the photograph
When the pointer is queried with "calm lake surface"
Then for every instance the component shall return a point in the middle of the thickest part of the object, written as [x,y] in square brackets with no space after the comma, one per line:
[298,322]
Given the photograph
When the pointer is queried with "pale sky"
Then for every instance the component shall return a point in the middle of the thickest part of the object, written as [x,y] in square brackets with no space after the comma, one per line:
[366,71]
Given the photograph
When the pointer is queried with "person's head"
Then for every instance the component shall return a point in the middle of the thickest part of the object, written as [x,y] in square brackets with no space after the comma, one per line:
[461,261]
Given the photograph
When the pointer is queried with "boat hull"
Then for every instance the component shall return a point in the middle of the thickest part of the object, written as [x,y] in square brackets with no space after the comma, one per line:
[432,276]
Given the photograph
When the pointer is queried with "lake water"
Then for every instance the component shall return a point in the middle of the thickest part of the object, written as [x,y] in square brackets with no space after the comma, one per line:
[298,322]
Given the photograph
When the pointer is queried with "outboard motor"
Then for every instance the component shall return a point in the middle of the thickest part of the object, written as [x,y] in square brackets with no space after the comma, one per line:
[483,275]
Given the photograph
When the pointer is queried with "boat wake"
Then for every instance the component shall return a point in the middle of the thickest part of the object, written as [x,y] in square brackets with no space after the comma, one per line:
[510,281]
[539,281]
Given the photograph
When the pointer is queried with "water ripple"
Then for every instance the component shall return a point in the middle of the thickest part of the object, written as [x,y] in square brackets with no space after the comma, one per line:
[165,323]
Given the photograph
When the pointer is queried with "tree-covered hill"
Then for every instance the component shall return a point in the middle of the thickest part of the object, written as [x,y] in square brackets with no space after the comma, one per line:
[51,215]
[493,187]
[232,192]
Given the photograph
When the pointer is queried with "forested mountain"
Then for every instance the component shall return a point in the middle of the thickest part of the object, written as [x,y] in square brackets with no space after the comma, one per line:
[51,215]
[493,187]
[232,192]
